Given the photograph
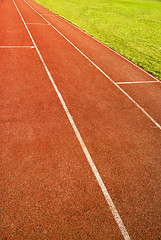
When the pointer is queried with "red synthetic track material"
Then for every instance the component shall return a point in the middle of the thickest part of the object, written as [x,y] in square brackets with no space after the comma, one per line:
[47,188]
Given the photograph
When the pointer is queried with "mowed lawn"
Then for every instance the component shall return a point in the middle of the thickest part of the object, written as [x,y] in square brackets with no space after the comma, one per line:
[130,27]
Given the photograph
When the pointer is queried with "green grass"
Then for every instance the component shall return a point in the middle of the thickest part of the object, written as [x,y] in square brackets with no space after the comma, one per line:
[130,27]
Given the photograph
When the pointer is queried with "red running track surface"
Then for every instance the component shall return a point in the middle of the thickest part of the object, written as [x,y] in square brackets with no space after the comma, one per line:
[48,189]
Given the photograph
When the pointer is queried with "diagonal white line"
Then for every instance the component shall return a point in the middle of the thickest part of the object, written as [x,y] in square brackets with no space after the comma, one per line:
[83,146]
[95,65]
[119,83]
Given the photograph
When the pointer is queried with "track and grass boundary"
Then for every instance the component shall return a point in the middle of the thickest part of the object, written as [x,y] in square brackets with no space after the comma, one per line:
[130,28]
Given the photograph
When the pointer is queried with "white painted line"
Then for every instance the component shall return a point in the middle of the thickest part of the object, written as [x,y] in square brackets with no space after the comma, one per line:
[82,144]
[95,65]
[119,83]
[17,47]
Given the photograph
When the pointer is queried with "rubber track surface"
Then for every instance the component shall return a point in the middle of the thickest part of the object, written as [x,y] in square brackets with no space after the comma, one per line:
[47,187]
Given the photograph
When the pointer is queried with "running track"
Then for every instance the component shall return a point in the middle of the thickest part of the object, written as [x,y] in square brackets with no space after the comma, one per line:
[80,134]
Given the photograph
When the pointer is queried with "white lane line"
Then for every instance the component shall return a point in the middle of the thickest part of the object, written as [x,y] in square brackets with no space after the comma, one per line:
[17,46]
[119,83]
[95,65]
[82,144]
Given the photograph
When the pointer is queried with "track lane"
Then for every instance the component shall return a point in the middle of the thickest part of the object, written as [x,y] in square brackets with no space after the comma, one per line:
[80,140]
[11,33]
[136,147]
[47,188]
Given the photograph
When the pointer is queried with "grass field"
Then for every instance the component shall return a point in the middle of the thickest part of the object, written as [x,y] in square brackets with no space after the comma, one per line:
[130,27]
